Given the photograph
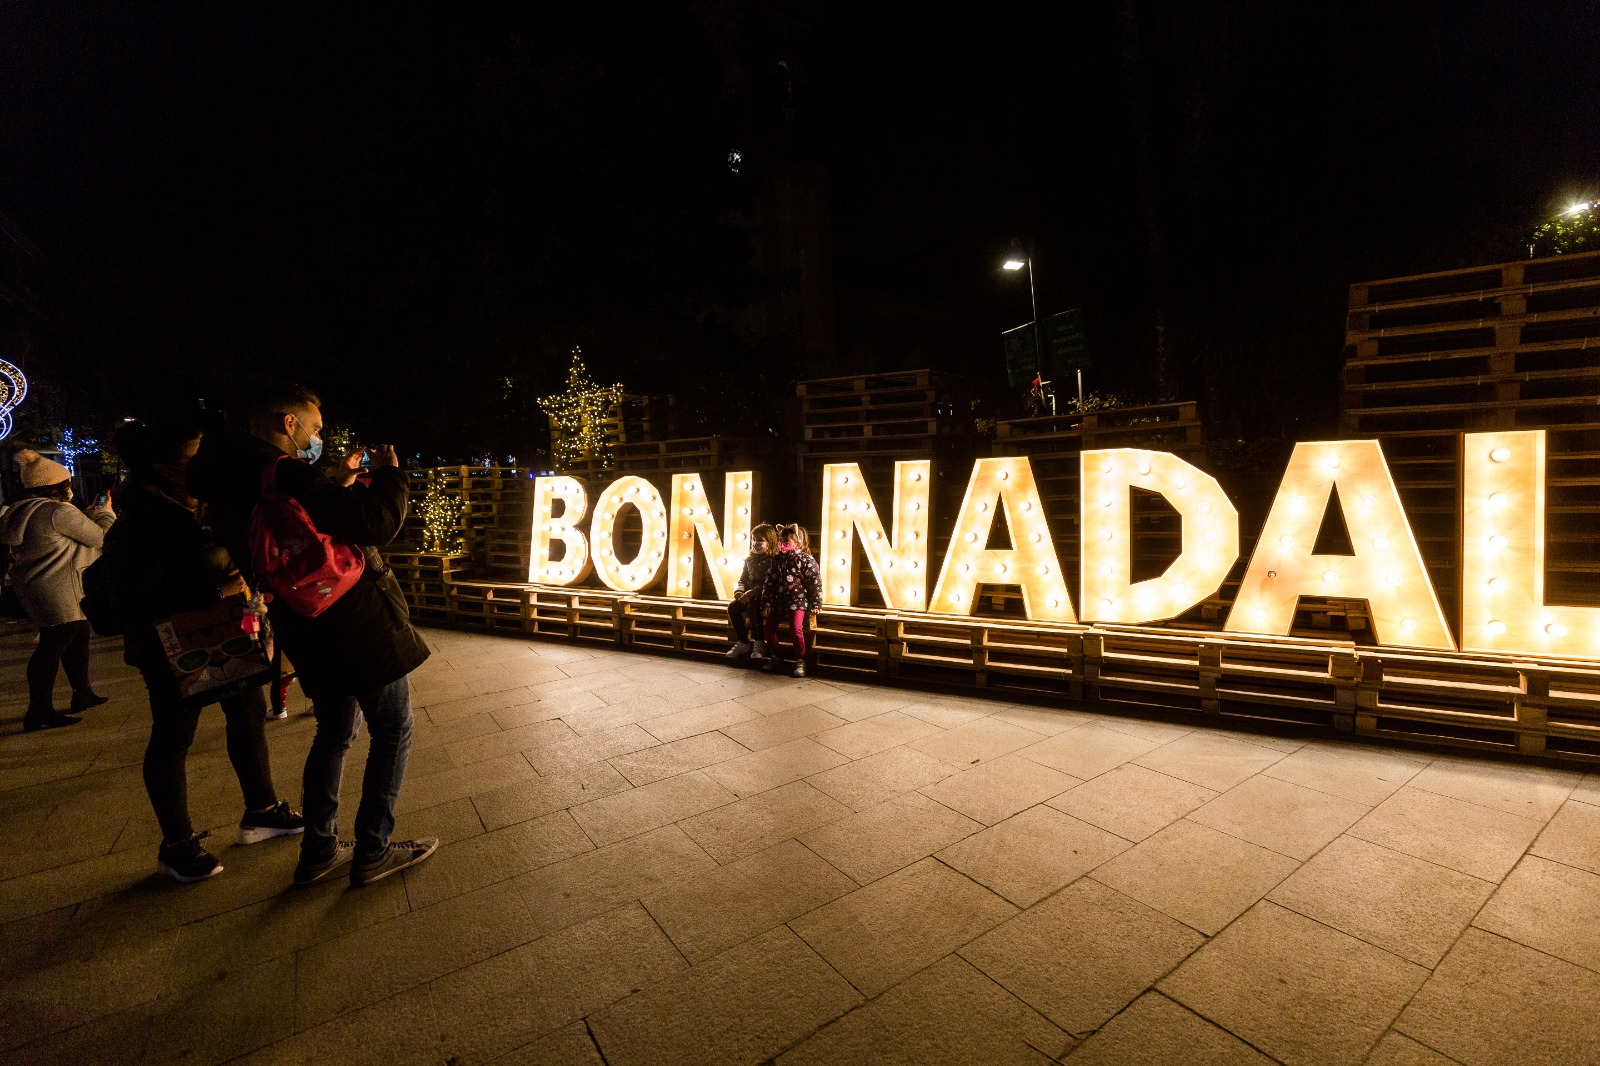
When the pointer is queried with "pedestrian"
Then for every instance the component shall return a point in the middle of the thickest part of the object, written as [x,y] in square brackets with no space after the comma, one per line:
[745,611]
[354,657]
[161,559]
[52,543]
[792,591]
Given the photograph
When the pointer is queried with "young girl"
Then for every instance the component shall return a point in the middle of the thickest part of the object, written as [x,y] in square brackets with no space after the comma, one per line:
[745,612]
[792,590]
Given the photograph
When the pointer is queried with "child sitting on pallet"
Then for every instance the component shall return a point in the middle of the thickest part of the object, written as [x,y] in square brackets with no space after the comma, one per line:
[792,591]
[746,613]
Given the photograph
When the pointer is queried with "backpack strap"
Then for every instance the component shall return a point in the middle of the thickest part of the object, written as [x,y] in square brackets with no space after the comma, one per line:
[269,475]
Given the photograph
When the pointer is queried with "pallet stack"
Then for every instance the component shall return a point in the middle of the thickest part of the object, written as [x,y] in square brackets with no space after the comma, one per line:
[1510,346]
[876,420]
[633,418]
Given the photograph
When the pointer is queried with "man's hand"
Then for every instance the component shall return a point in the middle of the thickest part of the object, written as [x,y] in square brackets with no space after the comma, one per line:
[345,474]
[383,455]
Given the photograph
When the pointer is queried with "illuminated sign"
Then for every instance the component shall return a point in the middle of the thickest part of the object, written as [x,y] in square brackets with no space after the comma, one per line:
[1502,524]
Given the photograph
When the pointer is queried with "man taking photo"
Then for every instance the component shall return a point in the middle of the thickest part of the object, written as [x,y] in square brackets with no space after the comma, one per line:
[353,649]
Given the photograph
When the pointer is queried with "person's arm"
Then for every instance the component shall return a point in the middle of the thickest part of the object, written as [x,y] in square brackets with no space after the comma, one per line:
[88,530]
[812,577]
[365,515]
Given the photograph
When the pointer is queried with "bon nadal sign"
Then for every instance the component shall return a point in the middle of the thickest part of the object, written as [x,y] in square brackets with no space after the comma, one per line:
[1502,536]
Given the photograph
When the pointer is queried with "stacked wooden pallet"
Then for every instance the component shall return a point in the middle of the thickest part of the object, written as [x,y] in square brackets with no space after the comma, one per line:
[1509,346]
[1506,704]
[428,580]
[657,460]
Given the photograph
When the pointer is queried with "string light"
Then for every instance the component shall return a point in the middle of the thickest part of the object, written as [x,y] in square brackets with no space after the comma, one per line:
[441,513]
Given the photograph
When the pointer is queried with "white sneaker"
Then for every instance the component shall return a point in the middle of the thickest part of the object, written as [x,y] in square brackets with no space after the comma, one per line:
[739,649]
[758,652]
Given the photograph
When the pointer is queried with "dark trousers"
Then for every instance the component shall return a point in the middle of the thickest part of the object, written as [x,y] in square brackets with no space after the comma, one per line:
[745,618]
[166,776]
[387,710]
[64,645]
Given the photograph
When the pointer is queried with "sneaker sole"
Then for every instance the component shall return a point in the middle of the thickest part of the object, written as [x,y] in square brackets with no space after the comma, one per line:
[187,879]
[320,875]
[359,879]
[256,834]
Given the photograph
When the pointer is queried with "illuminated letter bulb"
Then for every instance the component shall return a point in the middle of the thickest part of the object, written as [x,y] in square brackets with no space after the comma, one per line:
[1497,498]
[1556,629]
[1500,455]
[1496,626]
[1381,543]
[1330,576]
[1497,583]
[1497,541]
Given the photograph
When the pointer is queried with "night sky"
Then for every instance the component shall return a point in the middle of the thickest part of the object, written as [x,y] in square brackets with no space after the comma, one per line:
[419,211]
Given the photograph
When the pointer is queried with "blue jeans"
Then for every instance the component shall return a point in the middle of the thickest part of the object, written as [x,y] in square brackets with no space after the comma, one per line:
[388,713]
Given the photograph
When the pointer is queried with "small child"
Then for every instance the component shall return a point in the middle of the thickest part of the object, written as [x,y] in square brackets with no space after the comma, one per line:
[793,589]
[745,611]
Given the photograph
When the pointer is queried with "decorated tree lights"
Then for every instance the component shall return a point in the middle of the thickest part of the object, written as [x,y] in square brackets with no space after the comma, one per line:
[441,518]
[578,415]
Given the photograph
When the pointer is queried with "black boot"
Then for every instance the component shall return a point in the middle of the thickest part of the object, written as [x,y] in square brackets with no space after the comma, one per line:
[50,718]
[82,701]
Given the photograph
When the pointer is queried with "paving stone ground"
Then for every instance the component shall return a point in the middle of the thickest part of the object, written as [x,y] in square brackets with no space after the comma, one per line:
[649,860]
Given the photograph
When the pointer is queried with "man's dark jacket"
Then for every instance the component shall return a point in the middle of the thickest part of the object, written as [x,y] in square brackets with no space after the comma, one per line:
[365,639]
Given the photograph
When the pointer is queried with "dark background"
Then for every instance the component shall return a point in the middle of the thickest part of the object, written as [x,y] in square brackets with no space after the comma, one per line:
[419,212]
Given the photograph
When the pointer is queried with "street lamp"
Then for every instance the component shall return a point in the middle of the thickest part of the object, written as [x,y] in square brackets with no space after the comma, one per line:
[1021,255]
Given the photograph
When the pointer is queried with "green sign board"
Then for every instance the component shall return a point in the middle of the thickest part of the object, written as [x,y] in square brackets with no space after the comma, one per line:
[1064,340]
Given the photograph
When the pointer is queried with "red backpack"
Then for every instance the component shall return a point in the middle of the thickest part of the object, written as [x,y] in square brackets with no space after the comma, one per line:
[304,568]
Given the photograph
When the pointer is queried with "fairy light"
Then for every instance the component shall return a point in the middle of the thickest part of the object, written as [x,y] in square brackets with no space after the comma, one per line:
[694,527]
[1503,553]
[1392,579]
[1003,484]
[549,528]
[894,556]
[441,513]
[1210,537]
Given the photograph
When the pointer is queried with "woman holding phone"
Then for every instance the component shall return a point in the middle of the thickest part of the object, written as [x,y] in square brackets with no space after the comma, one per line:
[52,543]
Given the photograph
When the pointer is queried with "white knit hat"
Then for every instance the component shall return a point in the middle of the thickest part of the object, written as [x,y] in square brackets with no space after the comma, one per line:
[38,472]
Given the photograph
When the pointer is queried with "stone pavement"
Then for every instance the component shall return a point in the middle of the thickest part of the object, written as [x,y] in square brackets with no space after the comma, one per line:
[654,860]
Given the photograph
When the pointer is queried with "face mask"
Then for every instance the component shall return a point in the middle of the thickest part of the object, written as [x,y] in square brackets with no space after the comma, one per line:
[311,452]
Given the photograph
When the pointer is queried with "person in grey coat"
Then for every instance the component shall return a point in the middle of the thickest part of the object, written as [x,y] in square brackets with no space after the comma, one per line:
[52,543]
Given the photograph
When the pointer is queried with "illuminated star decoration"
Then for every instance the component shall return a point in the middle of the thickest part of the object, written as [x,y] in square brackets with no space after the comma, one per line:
[13,390]
[577,416]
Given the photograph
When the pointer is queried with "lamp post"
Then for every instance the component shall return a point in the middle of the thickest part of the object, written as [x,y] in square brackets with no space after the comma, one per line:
[1022,256]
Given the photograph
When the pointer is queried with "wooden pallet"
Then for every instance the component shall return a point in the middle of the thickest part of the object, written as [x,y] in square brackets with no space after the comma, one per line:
[1507,346]
[1547,709]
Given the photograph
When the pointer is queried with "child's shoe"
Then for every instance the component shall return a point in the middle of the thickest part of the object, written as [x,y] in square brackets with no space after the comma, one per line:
[740,649]
[758,652]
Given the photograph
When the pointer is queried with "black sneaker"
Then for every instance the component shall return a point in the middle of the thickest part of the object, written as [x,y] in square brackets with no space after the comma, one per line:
[51,719]
[309,872]
[188,860]
[772,665]
[399,855]
[276,821]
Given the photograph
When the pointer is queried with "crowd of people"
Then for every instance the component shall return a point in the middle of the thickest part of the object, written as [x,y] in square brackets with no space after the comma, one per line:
[238,535]
[245,537]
